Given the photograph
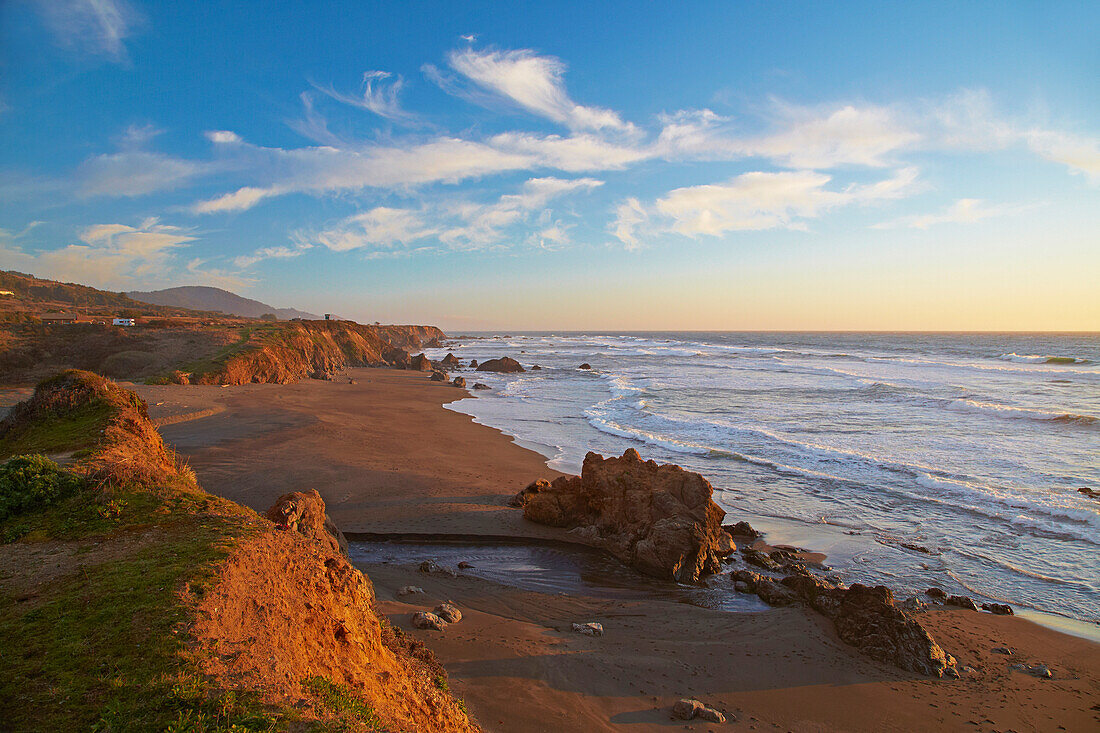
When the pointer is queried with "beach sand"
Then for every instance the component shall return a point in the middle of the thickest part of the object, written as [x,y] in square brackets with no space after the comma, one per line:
[388,459]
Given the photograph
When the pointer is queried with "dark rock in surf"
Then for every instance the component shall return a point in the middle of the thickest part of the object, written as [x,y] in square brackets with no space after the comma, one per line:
[505,364]
[585,365]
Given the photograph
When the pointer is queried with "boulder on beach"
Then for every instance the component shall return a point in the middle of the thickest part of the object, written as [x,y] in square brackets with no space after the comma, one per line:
[585,365]
[304,512]
[451,360]
[427,620]
[480,385]
[961,602]
[742,529]
[421,363]
[438,377]
[397,358]
[409,590]
[864,617]
[998,609]
[689,708]
[449,612]
[505,364]
[459,381]
[588,629]
[659,519]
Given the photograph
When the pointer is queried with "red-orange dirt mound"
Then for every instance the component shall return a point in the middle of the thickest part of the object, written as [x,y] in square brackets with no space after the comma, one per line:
[283,610]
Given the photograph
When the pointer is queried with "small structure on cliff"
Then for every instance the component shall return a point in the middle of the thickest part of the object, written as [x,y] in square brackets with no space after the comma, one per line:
[659,519]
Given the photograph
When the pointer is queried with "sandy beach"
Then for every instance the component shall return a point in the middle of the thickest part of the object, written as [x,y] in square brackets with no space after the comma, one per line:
[388,459]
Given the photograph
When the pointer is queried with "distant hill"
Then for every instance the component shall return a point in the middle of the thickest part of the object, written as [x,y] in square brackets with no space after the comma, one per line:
[215,299]
[32,294]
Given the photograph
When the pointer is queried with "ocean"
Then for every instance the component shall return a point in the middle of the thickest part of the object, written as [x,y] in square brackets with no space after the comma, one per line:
[913,460]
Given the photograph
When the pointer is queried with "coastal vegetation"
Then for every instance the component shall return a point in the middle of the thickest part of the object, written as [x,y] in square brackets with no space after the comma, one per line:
[110,558]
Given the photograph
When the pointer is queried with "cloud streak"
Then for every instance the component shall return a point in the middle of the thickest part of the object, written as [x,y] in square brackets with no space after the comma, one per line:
[98,27]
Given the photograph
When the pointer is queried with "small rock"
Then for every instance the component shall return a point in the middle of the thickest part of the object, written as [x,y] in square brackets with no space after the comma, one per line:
[426,620]
[449,612]
[464,565]
[1035,670]
[431,566]
[589,629]
[998,609]
[741,529]
[459,382]
[439,377]
[686,709]
[585,365]
[914,605]
[936,593]
[473,363]
[479,385]
[709,713]
[408,590]
[1001,650]
[536,368]
[961,602]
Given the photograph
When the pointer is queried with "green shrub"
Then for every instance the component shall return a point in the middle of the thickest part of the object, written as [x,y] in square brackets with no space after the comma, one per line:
[31,482]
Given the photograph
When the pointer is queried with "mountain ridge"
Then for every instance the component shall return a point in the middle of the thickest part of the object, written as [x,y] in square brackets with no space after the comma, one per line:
[206,298]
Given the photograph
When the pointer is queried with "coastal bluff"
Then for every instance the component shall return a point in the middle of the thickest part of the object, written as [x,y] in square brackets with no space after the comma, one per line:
[210,616]
[659,519]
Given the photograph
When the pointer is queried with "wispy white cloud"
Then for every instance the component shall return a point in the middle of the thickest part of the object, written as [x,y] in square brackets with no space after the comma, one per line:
[534,83]
[752,201]
[462,225]
[135,173]
[239,200]
[963,211]
[377,95]
[114,256]
[99,27]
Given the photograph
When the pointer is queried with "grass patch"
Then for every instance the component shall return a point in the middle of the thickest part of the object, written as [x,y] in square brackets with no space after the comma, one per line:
[79,428]
[351,712]
[103,651]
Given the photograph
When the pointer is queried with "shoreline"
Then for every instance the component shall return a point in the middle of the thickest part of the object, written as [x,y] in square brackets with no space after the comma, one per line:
[390,461]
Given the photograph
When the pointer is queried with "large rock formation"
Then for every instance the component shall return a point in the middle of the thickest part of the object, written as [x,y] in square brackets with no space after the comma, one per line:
[659,519]
[304,512]
[505,364]
[865,617]
[450,360]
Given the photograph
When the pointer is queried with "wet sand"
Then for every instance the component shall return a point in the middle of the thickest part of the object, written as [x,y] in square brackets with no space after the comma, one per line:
[388,459]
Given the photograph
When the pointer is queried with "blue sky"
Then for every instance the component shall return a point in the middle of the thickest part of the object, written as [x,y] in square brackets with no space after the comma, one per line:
[565,165]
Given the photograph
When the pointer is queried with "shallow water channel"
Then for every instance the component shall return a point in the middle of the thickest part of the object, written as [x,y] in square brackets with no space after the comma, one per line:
[546,569]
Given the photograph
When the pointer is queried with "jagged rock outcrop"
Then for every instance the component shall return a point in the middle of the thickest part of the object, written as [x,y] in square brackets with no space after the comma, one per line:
[450,360]
[659,519]
[397,357]
[459,382]
[438,377]
[866,618]
[505,364]
[421,363]
[304,512]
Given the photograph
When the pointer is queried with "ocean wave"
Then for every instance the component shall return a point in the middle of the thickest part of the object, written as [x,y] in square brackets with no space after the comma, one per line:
[1038,359]
[1025,413]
